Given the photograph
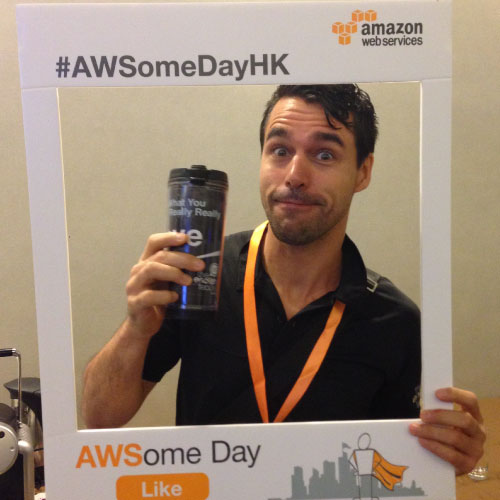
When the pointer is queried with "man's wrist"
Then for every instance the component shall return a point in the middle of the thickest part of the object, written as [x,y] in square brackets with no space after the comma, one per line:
[133,331]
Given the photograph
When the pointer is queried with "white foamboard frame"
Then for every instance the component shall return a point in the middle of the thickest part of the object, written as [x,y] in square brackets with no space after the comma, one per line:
[229,30]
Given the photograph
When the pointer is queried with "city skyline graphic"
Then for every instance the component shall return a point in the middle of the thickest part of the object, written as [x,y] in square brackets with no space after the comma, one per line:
[337,480]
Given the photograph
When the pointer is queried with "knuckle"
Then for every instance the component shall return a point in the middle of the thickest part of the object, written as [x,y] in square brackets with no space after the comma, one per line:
[170,297]
[153,243]
[135,268]
[471,395]
[469,421]
[131,285]
[455,439]
[177,274]
[132,304]
[152,238]
[141,300]
[483,434]
[452,456]
[469,463]
[148,267]
[148,271]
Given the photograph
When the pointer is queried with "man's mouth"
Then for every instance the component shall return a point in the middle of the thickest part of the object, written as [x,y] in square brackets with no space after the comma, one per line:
[296,199]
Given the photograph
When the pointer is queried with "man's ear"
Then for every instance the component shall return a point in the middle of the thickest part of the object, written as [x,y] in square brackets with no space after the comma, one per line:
[364,173]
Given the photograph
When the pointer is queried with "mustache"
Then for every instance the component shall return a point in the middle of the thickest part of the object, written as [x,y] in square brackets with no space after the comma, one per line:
[295,195]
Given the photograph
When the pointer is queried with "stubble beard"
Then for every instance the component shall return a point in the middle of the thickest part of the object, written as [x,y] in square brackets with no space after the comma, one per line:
[295,232]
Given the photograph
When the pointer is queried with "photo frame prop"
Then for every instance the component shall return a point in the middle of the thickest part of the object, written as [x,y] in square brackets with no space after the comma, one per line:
[127,45]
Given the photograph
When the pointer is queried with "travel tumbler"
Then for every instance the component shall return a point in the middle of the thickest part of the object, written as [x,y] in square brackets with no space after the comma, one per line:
[197,206]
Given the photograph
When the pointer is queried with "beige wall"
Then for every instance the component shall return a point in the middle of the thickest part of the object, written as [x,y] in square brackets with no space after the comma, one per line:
[122,134]
[119,145]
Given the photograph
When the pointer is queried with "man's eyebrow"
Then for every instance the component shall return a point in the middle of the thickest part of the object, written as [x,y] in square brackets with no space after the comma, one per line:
[276,132]
[329,136]
[318,136]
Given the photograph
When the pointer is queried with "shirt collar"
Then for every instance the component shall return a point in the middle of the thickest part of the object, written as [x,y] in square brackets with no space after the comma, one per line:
[352,281]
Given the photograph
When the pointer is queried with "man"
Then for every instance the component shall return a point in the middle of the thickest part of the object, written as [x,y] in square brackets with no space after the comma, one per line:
[298,336]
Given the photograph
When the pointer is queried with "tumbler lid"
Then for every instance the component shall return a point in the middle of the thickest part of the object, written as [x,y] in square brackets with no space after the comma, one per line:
[198,174]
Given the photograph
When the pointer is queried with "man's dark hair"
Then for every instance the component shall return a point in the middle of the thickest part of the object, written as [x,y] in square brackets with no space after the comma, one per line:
[337,101]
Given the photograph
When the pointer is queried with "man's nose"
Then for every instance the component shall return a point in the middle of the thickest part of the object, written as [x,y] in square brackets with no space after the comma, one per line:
[298,171]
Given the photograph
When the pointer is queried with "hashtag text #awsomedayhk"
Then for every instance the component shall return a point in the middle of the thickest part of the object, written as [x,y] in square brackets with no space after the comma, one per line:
[204,65]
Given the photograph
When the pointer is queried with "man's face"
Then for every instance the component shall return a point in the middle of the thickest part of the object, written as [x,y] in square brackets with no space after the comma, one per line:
[308,172]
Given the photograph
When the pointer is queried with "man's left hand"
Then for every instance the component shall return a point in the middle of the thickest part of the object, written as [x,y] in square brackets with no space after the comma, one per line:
[456,436]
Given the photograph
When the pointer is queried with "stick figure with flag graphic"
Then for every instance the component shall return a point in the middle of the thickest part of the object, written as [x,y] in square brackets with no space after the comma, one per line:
[367,461]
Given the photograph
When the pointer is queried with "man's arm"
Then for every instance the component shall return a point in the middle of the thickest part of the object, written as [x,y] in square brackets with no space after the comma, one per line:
[113,386]
[456,436]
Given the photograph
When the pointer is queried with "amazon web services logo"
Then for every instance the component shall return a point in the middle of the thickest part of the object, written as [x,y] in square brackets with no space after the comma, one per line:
[345,30]
[376,33]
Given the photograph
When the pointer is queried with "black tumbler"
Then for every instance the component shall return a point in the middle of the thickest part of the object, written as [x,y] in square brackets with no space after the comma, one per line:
[197,207]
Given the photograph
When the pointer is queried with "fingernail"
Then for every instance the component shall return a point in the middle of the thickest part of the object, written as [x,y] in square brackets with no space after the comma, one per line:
[199,264]
[414,429]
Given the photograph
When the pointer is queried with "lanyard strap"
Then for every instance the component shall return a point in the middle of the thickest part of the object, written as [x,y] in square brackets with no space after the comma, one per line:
[254,350]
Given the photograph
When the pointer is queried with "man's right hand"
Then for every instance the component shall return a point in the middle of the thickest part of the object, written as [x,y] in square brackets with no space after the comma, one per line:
[147,287]
[113,386]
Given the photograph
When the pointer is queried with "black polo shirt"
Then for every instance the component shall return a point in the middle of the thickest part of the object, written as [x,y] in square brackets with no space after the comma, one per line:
[371,370]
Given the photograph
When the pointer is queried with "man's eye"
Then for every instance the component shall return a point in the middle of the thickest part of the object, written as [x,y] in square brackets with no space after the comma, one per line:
[281,151]
[324,156]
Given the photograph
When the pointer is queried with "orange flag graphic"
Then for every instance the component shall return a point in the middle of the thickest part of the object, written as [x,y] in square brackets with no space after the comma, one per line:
[388,474]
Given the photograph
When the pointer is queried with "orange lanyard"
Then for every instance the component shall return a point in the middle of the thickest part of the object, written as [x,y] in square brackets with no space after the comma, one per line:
[253,340]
